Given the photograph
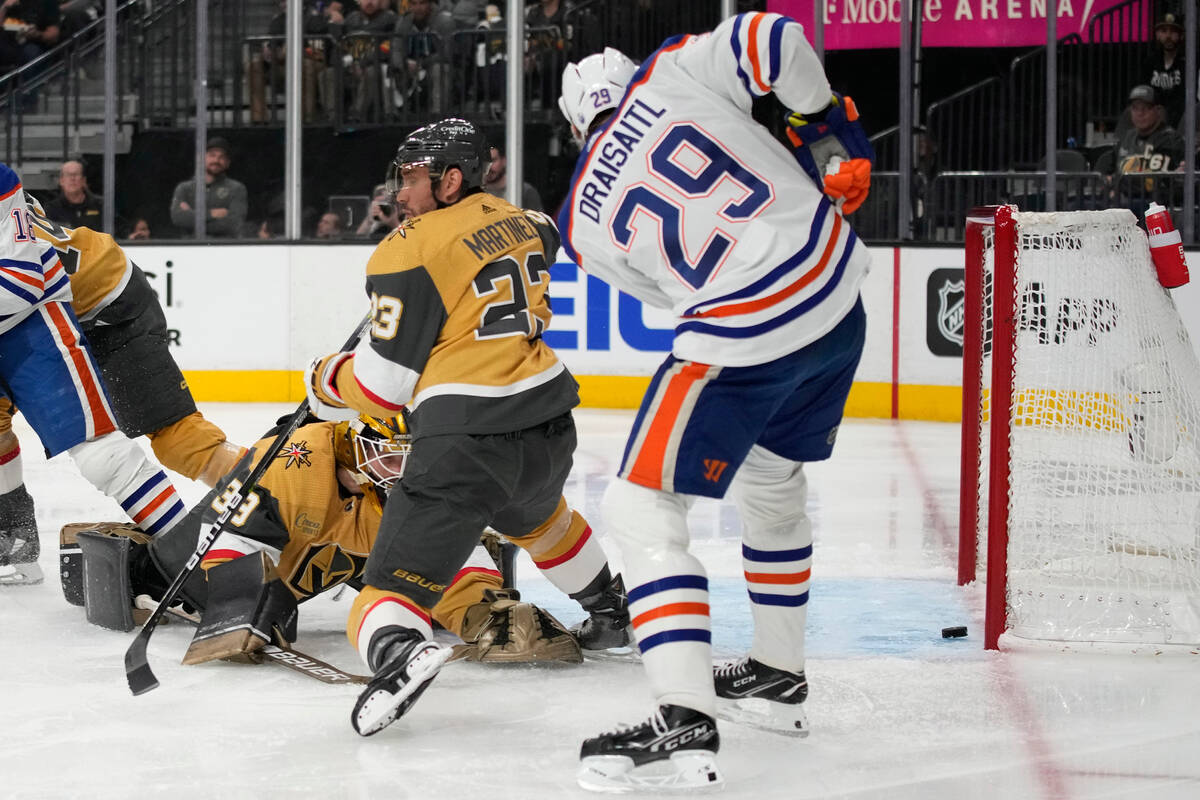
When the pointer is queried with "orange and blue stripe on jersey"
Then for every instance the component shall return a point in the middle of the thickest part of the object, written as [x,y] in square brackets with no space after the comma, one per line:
[722,307]
[777,577]
[756,82]
[670,609]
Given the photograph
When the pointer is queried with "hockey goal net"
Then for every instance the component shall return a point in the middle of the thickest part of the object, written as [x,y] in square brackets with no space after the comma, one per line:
[1080,487]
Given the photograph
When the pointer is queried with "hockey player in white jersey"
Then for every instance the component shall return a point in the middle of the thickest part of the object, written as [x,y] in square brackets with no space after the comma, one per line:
[682,200]
[48,372]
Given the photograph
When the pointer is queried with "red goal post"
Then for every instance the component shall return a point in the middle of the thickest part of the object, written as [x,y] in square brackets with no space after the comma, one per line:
[1080,464]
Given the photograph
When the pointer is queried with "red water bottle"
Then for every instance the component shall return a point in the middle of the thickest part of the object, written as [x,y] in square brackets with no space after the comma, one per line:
[1166,247]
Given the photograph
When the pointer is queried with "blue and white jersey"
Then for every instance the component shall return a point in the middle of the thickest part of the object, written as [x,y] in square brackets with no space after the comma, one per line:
[684,202]
[31,273]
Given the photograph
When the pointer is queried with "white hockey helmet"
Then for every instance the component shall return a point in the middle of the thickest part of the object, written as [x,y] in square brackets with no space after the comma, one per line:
[595,85]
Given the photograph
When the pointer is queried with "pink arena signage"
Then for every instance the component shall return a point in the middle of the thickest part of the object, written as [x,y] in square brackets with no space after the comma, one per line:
[859,24]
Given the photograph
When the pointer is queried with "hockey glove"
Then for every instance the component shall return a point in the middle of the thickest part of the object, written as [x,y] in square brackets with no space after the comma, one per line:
[832,147]
[320,381]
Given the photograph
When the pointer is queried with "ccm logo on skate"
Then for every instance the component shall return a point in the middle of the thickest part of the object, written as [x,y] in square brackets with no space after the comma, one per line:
[424,583]
[687,736]
[743,681]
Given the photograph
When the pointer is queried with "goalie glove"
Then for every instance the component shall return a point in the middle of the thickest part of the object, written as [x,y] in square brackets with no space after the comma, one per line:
[320,381]
[832,147]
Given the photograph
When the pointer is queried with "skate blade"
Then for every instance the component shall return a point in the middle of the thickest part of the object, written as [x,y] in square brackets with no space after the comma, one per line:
[21,575]
[630,653]
[689,771]
[379,707]
[754,712]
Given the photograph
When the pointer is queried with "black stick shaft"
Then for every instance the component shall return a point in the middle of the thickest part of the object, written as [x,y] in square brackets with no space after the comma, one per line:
[137,665]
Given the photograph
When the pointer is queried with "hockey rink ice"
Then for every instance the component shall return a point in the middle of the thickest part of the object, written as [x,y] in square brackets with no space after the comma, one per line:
[896,711]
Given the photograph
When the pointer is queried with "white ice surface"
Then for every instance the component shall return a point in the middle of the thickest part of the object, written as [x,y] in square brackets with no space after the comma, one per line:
[897,712]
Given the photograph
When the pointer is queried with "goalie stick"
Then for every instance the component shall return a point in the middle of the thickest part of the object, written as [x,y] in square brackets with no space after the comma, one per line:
[292,659]
[137,666]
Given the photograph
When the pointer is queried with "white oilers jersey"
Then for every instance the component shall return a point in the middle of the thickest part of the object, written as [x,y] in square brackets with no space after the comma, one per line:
[686,203]
[31,273]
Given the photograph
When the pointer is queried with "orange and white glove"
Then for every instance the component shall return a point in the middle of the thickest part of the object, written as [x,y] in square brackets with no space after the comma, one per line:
[320,384]
[832,148]
[847,182]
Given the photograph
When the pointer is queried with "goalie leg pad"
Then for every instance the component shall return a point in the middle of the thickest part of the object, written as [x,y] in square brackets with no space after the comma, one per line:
[501,629]
[248,606]
[107,589]
[70,556]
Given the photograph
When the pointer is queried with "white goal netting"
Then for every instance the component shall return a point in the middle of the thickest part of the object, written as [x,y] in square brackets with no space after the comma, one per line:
[1103,511]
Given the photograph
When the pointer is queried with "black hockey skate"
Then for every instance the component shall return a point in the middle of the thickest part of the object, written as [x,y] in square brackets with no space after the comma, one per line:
[675,749]
[19,545]
[751,693]
[408,665]
[607,627]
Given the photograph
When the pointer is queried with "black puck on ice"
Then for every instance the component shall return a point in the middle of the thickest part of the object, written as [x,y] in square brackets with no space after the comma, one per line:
[957,632]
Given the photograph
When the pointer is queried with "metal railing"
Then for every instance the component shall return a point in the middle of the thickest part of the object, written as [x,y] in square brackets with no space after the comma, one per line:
[48,91]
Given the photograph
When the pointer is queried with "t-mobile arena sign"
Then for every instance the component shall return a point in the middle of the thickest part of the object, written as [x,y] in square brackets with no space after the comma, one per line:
[859,24]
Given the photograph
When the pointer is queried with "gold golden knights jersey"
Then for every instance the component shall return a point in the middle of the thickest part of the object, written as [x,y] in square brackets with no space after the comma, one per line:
[459,297]
[318,534]
[98,268]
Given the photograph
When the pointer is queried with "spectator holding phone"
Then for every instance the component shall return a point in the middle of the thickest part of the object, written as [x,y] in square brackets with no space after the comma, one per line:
[382,218]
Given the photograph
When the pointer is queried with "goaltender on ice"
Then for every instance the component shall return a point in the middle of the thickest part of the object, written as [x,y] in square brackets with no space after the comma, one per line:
[682,200]
[307,527]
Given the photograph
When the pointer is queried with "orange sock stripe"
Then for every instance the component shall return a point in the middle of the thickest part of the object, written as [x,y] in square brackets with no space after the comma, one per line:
[779,577]
[150,507]
[672,610]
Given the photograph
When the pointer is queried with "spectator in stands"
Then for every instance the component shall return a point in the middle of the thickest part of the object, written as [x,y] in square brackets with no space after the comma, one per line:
[1165,69]
[330,226]
[421,57]
[495,180]
[466,13]
[557,33]
[485,70]
[31,27]
[268,61]
[383,217]
[362,44]
[75,206]
[225,197]
[1150,145]
[140,229]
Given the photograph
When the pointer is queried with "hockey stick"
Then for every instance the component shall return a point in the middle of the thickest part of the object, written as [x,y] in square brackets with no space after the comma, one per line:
[271,653]
[137,666]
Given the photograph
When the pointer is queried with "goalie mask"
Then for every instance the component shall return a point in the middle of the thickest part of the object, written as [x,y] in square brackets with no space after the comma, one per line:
[595,85]
[374,449]
[449,143]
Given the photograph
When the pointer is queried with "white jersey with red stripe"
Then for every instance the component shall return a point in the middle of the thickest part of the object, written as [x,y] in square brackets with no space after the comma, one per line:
[31,273]
[685,202]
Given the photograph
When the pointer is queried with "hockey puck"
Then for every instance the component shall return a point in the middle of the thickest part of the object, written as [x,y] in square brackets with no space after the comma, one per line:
[957,632]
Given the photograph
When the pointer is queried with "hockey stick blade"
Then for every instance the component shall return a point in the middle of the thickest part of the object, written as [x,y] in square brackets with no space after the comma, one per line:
[137,665]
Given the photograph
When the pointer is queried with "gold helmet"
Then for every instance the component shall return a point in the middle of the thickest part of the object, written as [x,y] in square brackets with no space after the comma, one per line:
[375,449]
